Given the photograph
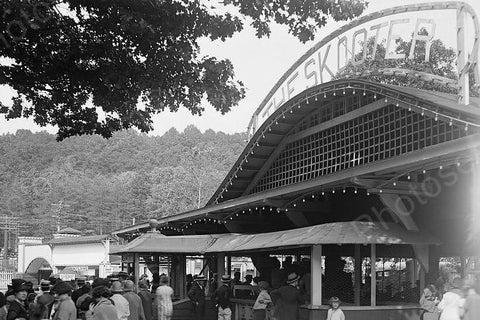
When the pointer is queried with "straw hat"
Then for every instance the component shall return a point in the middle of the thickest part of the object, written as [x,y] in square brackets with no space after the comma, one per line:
[128,286]
[292,277]
[200,277]
[226,278]
[117,287]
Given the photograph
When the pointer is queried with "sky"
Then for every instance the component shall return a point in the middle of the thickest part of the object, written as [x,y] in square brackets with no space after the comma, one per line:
[258,63]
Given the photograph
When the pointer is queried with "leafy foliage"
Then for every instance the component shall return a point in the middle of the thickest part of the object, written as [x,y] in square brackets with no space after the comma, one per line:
[104,184]
[441,62]
[62,54]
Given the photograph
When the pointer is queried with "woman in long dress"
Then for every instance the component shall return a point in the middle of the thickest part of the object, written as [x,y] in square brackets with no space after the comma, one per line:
[451,306]
[163,295]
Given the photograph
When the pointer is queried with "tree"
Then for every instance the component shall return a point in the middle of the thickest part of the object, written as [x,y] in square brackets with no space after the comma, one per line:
[59,54]
[441,62]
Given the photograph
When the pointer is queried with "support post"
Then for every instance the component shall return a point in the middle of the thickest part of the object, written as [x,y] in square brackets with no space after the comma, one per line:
[156,260]
[358,275]
[220,267]
[463,96]
[136,267]
[433,264]
[229,264]
[422,279]
[316,278]
[373,275]
[182,273]
[463,266]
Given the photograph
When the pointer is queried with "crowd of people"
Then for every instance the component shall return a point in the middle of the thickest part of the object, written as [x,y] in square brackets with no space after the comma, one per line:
[113,298]
[282,302]
[119,298]
[452,300]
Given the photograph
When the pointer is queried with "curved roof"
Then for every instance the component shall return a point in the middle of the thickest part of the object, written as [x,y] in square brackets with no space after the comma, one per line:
[272,132]
[235,192]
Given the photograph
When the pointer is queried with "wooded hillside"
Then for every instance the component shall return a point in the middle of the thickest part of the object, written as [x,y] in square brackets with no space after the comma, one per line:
[102,185]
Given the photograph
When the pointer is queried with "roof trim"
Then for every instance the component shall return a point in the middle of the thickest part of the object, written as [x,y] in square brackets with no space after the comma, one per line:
[79,240]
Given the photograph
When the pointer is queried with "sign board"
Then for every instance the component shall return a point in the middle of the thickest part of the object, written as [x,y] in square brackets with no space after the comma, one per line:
[79,268]
[67,276]
[419,25]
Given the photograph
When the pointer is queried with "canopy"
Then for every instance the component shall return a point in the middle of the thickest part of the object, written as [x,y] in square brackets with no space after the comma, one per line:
[352,232]
[156,242]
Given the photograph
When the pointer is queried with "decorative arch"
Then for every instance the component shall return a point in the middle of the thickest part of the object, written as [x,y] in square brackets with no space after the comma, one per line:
[37,264]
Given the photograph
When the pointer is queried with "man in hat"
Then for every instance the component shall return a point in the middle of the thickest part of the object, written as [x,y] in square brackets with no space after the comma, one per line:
[81,283]
[112,278]
[221,296]
[123,276]
[121,304]
[134,301]
[197,296]
[248,279]
[44,298]
[44,288]
[65,308]
[287,299]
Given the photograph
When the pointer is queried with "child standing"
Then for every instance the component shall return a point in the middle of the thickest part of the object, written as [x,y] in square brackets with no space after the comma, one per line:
[335,313]
[262,302]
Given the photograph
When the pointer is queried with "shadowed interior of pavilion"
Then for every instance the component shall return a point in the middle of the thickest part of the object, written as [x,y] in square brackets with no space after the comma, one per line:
[343,153]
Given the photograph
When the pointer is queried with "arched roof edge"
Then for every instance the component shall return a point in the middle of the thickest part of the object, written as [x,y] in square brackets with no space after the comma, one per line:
[429,100]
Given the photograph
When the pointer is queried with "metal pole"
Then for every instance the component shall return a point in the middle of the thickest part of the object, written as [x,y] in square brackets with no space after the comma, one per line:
[463,96]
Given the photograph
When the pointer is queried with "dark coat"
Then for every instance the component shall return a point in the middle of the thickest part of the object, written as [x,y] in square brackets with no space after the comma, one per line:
[135,306]
[287,301]
[221,296]
[16,310]
[147,302]
[196,294]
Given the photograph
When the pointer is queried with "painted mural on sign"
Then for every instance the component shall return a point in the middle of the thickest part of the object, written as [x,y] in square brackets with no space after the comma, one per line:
[358,41]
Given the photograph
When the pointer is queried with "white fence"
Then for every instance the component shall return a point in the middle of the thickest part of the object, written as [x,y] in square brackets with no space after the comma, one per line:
[5,279]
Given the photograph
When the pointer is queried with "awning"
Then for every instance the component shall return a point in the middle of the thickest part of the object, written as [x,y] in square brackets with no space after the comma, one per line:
[352,232]
[155,242]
